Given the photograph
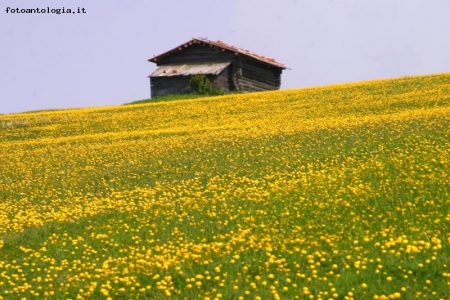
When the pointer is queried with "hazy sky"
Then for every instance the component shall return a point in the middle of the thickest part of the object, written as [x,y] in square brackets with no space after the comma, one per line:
[100,57]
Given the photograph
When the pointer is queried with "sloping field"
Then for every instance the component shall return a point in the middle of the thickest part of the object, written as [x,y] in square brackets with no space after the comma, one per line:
[338,192]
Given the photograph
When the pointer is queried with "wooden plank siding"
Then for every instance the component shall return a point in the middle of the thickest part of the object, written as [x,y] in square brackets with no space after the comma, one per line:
[222,81]
[236,75]
[259,77]
[174,85]
[161,86]
[246,71]
[197,53]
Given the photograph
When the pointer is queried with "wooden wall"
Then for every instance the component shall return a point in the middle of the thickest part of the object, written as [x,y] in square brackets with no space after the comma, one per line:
[197,53]
[258,77]
[222,80]
[172,85]
[176,85]
[243,74]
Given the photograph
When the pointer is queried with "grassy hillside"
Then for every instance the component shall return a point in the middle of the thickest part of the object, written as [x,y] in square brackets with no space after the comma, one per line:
[335,192]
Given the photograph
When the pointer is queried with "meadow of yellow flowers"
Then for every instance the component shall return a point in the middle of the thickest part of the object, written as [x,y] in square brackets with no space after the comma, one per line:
[338,192]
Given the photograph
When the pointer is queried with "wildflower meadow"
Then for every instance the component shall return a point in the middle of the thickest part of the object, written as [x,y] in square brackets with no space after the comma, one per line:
[336,192]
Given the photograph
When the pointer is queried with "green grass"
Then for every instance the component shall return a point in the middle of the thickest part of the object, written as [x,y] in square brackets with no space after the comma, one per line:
[167,98]
[337,192]
[178,97]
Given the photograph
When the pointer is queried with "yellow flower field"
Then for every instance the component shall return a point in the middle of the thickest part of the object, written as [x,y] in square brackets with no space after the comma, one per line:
[337,192]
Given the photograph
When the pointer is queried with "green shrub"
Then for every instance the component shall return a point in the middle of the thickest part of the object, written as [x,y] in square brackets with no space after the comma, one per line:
[200,84]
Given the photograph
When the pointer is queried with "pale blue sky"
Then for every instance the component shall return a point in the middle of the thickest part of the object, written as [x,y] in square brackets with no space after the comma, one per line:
[100,58]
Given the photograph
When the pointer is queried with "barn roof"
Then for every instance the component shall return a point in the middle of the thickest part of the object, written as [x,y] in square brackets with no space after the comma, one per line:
[221,45]
[190,69]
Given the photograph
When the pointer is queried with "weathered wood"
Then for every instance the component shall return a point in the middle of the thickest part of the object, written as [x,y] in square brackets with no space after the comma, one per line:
[222,81]
[245,73]
[250,85]
[196,54]
[161,86]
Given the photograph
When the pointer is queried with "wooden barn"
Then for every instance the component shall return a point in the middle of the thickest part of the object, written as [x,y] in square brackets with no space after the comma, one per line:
[229,68]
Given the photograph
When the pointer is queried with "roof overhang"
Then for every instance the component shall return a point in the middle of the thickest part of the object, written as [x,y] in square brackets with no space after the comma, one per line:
[220,45]
[190,69]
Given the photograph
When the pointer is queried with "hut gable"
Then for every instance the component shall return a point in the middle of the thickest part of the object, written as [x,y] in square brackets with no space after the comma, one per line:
[229,68]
